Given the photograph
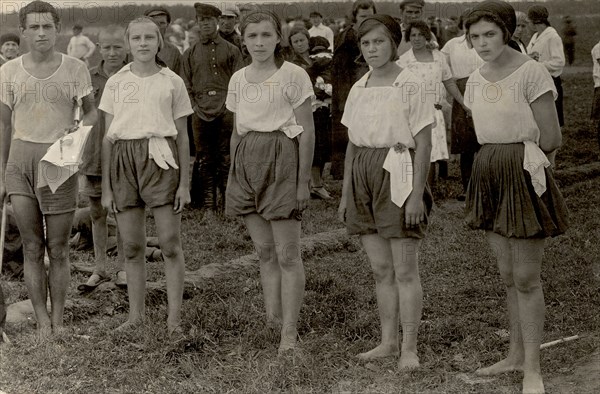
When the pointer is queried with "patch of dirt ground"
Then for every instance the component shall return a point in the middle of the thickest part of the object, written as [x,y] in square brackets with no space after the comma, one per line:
[582,378]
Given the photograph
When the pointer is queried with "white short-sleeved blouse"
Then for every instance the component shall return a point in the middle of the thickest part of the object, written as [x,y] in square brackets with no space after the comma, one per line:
[269,105]
[501,110]
[144,107]
[380,117]
[433,73]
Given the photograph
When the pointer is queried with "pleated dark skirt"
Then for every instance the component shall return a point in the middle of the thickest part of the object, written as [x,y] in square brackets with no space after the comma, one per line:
[501,198]
[263,177]
[369,208]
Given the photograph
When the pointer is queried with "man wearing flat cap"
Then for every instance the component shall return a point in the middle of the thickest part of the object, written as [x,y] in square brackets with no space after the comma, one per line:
[206,70]
[9,47]
[169,53]
[546,47]
[227,22]
[410,11]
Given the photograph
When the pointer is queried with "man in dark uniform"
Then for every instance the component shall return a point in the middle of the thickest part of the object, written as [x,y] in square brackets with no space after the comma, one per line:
[206,70]
[347,70]
[169,53]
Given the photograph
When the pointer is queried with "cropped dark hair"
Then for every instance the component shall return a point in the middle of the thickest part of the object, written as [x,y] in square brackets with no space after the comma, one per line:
[477,16]
[299,29]
[370,24]
[40,7]
[420,26]
[259,16]
[362,5]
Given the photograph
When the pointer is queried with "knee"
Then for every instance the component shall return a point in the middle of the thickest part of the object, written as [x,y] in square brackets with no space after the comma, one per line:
[33,248]
[406,276]
[171,250]
[527,284]
[132,250]
[58,249]
[383,272]
[97,213]
[266,253]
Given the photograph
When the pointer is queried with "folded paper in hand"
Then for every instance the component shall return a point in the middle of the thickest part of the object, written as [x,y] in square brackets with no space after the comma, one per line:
[62,162]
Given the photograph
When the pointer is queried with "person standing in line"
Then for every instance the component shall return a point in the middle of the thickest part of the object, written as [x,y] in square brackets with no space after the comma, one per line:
[411,11]
[227,22]
[432,67]
[111,44]
[512,194]
[26,139]
[318,29]
[207,68]
[80,46]
[9,47]
[595,116]
[272,146]
[569,32]
[347,71]
[385,198]
[145,161]
[169,53]
[463,60]
[546,47]
[520,30]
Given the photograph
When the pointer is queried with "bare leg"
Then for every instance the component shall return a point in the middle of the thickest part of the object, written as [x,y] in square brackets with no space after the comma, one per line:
[406,267]
[286,234]
[31,227]
[502,250]
[380,256]
[132,226]
[58,229]
[527,257]
[270,274]
[168,226]
[99,232]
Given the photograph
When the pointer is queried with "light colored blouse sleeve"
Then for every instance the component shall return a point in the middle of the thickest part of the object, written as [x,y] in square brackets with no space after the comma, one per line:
[421,110]
[349,108]
[83,87]
[299,88]
[181,100]
[7,86]
[446,71]
[232,100]
[536,81]
[107,101]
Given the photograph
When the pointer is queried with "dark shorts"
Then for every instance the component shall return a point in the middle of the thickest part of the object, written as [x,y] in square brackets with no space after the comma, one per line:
[264,176]
[501,197]
[91,186]
[136,180]
[22,171]
[369,208]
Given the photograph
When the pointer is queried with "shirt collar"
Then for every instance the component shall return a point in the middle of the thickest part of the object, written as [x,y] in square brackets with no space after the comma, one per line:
[217,40]
[127,68]
[99,70]
[398,82]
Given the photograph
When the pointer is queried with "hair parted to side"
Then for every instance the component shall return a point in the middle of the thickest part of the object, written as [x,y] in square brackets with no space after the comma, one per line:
[265,15]
[422,27]
[38,7]
[369,24]
[487,16]
[362,5]
[299,30]
[147,20]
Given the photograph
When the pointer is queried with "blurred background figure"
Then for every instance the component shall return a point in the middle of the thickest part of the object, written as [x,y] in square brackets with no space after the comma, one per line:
[227,23]
[318,29]
[520,31]
[80,46]
[569,32]
[169,53]
[9,47]
[176,35]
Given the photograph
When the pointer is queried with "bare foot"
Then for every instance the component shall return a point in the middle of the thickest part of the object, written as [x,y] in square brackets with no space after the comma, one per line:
[289,338]
[504,366]
[380,351]
[408,360]
[533,383]
[44,333]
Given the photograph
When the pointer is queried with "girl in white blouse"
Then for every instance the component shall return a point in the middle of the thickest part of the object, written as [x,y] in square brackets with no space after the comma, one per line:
[512,194]
[144,148]
[271,157]
[384,195]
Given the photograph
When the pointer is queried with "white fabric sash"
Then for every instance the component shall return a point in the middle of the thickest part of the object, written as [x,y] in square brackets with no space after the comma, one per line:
[160,151]
[398,163]
[534,162]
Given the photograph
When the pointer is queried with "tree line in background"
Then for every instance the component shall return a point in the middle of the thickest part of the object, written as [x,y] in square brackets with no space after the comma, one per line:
[96,14]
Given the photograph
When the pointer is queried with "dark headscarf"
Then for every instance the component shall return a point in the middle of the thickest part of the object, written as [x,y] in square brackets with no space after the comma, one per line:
[390,24]
[504,11]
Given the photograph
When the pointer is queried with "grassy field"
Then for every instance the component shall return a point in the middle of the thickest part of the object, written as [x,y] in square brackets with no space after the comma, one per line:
[227,347]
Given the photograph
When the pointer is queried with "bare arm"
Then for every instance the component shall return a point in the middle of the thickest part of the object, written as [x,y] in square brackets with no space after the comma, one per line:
[350,150]
[107,194]
[5,140]
[182,197]
[546,118]
[414,210]
[90,113]
[235,139]
[304,117]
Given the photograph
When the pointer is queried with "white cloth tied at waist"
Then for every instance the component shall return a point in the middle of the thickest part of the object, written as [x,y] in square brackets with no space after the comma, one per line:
[400,166]
[292,131]
[534,162]
[160,151]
